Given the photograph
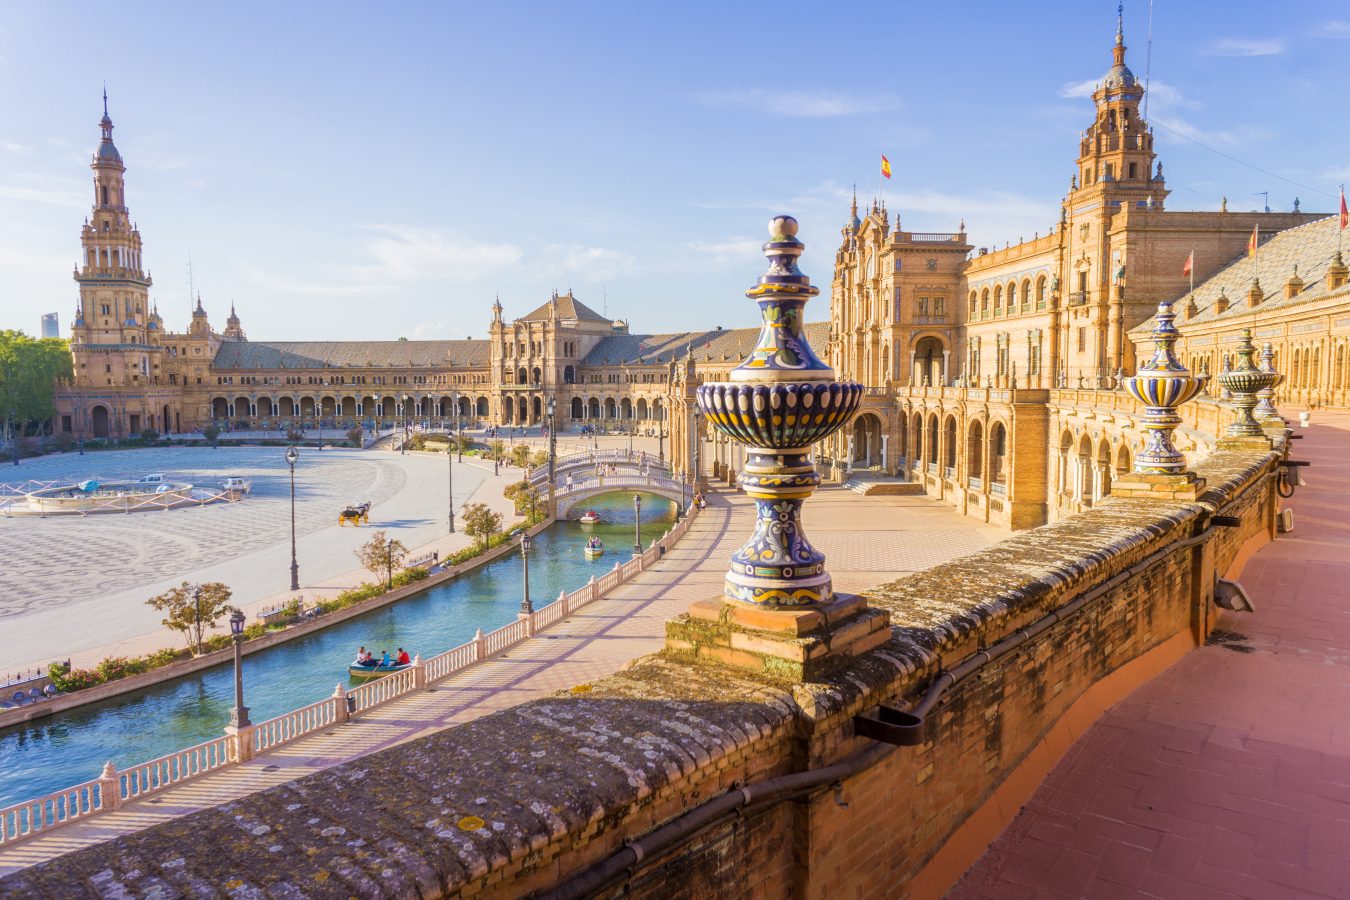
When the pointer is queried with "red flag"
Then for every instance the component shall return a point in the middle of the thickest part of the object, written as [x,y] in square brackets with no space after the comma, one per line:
[1190,264]
[885,167]
[1345,214]
[1255,240]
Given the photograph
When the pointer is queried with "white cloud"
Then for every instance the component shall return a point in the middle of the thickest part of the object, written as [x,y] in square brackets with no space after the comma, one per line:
[1245,47]
[1187,130]
[402,254]
[58,193]
[800,104]
[731,250]
[1079,88]
[1333,29]
[1162,94]
[595,263]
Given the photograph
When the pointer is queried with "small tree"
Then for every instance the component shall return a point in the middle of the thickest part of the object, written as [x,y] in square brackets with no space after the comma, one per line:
[520,455]
[497,449]
[382,556]
[529,503]
[461,443]
[149,435]
[355,435]
[193,609]
[211,433]
[538,458]
[480,523]
[295,435]
[64,441]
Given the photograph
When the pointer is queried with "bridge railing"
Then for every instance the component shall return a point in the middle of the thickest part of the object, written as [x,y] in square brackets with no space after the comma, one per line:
[607,482]
[113,788]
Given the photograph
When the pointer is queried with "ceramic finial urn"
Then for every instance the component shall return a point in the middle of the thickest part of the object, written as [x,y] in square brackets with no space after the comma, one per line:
[1162,384]
[1243,382]
[1265,411]
[778,402]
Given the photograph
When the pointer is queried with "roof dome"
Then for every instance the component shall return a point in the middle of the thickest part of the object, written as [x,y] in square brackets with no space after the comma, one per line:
[108,150]
[1119,76]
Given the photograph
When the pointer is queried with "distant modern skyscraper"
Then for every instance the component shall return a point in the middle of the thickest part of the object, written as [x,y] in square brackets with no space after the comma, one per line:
[50,327]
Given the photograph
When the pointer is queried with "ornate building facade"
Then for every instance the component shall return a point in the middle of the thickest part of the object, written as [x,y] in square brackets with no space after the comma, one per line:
[989,373]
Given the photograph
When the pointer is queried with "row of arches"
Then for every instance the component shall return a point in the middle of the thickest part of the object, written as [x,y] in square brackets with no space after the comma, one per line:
[934,442]
[1084,468]
[348,407]
[1010,299]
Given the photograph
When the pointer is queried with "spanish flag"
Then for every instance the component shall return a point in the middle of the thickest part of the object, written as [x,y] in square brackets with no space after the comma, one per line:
[1190,264]
[1256,239]
[885,167]
[1345,213]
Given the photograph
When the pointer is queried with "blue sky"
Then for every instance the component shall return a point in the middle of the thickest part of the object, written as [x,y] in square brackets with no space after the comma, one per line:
[357,170]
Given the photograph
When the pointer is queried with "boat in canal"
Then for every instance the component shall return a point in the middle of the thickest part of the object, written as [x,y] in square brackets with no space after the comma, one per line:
[591,517]
[357,671]
[594,548]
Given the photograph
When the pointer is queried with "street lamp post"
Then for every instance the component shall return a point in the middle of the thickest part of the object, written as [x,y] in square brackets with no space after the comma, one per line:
[552,453]
[526,608]
[197,608]
[661,434]
[450,485]
[637,524]
[238,715]
[292,455]
[459,428]
[403,445]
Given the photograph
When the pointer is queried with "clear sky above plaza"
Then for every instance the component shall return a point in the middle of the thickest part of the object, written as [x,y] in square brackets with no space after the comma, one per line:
[357,170]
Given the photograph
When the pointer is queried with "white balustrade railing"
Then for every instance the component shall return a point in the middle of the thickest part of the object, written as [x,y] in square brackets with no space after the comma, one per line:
[293,725]
[33,817]
[108,792]
[152,777]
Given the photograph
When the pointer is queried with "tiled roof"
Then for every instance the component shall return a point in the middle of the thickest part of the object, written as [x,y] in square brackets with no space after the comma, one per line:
[1310,247]
[349,354]
[568,308]
[730,345]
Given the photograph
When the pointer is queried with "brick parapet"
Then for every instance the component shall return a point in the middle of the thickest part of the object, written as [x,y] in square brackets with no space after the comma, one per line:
[518,800]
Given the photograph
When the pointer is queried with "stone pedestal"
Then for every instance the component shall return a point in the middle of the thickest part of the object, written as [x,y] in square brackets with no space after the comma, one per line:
[1246,442]
[1186,486]
[784,644]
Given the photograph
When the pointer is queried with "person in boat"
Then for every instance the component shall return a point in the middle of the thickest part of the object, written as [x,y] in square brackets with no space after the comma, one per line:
[363,658]
[593,543]
[385,661]
[403,657]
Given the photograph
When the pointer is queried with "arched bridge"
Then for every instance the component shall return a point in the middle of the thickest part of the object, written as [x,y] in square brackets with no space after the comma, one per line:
[569,497]
[583,465]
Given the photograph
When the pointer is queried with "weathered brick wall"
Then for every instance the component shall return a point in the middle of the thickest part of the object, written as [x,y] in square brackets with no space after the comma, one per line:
[518,801]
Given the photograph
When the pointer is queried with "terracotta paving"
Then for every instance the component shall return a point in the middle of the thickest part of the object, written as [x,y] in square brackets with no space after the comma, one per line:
[588,645]
[1229,774]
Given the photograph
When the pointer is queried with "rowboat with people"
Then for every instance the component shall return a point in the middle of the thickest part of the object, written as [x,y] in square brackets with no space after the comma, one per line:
[590,517]
[594,548]
[367,665]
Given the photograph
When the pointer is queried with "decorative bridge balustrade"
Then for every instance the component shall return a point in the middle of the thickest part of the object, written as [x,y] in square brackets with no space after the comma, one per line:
[113,788]
[574,462]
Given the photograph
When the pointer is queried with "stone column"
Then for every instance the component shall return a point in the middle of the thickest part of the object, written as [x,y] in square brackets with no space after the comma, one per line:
[885,442]
[946,364]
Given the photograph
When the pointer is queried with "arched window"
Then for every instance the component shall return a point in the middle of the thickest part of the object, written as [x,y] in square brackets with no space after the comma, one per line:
[998,451]
[1026,296]
[104,192]
[973,300]
[998,301]
[975,454]
[984,303]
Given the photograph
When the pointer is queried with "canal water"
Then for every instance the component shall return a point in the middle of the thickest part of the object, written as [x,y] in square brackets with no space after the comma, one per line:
[71,747]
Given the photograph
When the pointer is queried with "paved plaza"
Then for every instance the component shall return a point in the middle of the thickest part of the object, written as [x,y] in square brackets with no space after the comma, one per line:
[910,533]
[72,584]
[1229,774]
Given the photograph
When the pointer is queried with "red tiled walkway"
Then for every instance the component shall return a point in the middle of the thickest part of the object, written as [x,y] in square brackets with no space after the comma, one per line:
[1228,775]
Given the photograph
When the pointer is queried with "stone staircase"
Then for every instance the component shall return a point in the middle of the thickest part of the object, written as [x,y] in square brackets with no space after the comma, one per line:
[880,484]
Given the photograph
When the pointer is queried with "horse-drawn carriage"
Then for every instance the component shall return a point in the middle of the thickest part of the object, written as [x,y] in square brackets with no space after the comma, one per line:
[356,514]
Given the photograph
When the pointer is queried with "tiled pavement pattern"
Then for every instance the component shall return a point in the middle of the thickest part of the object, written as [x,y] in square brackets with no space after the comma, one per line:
[1228,775]
[594,642]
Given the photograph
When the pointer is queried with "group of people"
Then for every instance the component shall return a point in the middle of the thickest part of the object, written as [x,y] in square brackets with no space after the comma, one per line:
[593,543]
[365,658]
[700,501]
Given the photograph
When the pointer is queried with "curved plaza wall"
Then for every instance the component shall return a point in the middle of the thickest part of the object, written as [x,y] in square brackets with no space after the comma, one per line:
[525,799]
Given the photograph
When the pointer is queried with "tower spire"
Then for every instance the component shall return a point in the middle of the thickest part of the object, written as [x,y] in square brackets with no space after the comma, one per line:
[105,98]
[1118,51]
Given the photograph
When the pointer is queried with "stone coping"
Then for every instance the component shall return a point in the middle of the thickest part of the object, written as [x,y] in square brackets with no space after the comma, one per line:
[509,790]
